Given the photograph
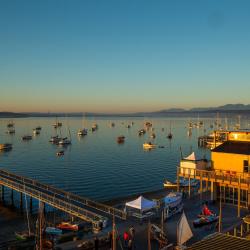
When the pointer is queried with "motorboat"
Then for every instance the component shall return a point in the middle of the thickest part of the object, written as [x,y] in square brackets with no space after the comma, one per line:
[54,139]
[68,226]
[153,135]
[173,204]
[141,132]
[5,147]
[10,124]
[36,131]
[170,136]
[120,139]
[10,131]
[26,137]
[64,141]
[82,132]
[148,124]
[60,153]
[38,128]
[149,145]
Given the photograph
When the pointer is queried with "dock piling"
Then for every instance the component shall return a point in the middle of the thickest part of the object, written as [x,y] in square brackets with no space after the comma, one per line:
[21,201]
[12,197]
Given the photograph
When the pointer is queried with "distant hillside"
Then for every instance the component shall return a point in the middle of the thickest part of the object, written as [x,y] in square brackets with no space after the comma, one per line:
[12,115]
[227,107]
[206,111]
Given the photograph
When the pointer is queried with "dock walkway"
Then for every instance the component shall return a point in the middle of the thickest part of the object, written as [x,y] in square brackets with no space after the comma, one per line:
[70,203]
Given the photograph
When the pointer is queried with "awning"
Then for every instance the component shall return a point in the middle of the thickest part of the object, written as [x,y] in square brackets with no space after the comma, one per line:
[142,204]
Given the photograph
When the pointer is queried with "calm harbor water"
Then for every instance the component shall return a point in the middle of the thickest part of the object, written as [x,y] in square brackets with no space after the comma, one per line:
[96,166]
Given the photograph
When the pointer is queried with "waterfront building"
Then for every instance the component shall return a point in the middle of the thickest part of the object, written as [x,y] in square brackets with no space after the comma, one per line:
[228,174]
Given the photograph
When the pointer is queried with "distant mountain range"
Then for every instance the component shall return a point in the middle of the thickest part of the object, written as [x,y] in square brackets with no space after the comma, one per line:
[228,108]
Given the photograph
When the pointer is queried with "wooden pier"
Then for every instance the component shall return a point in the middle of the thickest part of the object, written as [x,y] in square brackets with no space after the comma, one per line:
[75,205]
[232,187]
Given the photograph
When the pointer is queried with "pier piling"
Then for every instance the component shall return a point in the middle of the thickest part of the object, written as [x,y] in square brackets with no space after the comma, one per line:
[12,197]
[2,193]
[21,201]
[31,205]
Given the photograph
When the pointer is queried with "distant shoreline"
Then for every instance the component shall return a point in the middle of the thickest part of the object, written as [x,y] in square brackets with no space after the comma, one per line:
[225,113]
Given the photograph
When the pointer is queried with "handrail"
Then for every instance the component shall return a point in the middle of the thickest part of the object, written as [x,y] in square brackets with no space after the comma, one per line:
[232,176]
[63,194]
[53,201]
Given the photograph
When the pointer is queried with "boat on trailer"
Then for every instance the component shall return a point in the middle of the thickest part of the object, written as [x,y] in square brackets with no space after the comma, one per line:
[68,226]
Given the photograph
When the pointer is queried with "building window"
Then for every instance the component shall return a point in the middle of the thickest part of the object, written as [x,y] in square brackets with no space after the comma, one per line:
[246,167]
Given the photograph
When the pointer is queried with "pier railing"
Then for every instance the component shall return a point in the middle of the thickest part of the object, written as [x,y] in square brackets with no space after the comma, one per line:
[216,175]
[76,205]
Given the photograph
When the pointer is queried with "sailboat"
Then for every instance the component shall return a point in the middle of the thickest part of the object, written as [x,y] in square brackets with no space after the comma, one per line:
[10,124]
[65,141]
[170,135]
[82,132]
[57,124]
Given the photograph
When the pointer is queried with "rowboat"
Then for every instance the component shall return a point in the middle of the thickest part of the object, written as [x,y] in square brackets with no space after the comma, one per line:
[205,220]
[182,183]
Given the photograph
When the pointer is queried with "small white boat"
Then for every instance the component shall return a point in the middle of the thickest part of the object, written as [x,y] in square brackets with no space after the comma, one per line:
[149,145]
[141,132]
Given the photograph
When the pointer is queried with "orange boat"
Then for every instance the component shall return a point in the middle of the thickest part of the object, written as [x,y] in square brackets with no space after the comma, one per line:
[68,226]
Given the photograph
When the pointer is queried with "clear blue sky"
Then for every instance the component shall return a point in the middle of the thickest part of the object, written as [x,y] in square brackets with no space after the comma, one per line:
[123,56]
